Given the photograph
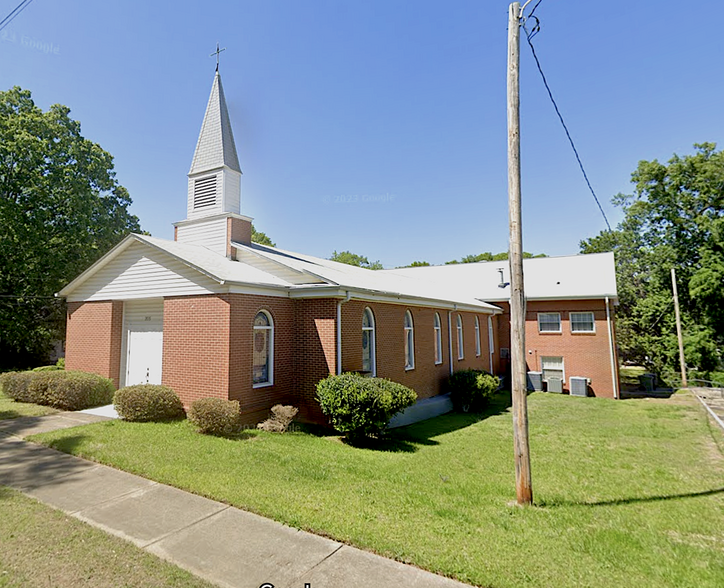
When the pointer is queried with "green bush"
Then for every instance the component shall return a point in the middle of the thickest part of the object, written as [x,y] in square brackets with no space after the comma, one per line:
[70,390]
[358,406]
[58,388]
[215,416]
[148,402]
[15,385]
[470,390]
[47,368]
[61,363]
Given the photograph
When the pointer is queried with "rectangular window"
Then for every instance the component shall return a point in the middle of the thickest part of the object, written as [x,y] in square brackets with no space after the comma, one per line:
[549,322]
[438,340]
[582,322]
[552,367]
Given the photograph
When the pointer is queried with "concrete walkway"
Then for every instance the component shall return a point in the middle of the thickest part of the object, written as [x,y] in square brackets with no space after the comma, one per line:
[222,544]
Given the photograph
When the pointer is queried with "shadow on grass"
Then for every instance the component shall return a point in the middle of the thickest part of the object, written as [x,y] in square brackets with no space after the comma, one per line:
[9,414]
[410,438]
[423,432]
[634,500]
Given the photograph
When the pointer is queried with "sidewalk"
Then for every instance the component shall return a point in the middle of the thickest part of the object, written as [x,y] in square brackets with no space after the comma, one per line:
[220,543]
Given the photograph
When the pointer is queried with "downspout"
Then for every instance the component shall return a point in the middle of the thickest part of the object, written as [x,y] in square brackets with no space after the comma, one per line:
[491,343]
[449,339]
[339,331]
[614,378]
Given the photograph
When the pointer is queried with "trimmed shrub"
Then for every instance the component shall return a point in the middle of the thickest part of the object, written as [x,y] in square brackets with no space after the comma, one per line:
[61,363]
[148,402]
[358,406]
[281,417]
[47,368]
[215,416]
[15,385]
[70,390]
[470,390]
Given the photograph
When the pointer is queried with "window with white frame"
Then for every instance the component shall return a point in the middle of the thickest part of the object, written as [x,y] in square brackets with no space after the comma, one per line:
[477,337]
[437,338]
[552,367]
[263,350]
[461,350]
[368,342]
[409,342]
[582,322]
[549,322]
[491,340]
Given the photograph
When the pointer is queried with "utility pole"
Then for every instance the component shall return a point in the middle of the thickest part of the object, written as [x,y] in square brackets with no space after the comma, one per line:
[682,362]
[523,486]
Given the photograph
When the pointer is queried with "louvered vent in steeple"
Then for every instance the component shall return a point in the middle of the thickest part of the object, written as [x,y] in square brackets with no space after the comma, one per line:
[204,192]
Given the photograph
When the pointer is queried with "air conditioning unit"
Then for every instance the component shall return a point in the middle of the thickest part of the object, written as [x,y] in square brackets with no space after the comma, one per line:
[535,381]
[555,385]
[579,386]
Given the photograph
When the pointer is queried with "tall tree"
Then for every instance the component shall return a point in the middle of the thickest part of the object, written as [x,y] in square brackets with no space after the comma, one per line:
[674,218]
[61,208]
[353,259]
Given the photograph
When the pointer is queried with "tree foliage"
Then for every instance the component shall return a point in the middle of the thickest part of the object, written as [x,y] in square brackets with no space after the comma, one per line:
[61,208]
[353,259]
[487,256]
[261,238]
[673,219]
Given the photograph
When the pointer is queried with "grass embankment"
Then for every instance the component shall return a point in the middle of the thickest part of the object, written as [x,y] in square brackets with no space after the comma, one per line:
[9,409]
[628,493]
[42,547]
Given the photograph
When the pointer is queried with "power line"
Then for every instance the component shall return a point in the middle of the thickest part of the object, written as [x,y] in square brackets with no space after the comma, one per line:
[529,36]
[16,11]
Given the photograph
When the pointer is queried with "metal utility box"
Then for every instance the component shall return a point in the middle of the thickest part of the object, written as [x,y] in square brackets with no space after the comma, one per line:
[579,386]
[535,381]
[555,385]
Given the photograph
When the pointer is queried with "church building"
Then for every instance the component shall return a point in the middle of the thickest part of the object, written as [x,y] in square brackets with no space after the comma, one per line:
[212,314]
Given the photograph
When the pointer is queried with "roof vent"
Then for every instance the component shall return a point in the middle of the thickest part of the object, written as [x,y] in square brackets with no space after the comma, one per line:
[204,192]
[502,283]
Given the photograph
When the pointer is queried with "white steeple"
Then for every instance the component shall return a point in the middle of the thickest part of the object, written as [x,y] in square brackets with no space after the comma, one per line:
[213,214]
[215,174]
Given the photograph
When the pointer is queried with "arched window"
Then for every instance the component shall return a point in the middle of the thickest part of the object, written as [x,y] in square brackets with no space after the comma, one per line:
[409,342]
[477,337]
[438,339]
[369,363]
[263,350]
[461,353]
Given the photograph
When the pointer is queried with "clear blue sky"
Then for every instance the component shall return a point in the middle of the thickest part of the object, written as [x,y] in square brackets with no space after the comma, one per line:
[379,126]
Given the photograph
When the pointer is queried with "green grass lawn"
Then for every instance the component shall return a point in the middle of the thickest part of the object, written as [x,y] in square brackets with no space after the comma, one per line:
[9,409]
[43,547]
[628,493]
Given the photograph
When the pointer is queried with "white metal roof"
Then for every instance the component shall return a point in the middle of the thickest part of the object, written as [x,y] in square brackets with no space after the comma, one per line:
[545,278]
[297,274]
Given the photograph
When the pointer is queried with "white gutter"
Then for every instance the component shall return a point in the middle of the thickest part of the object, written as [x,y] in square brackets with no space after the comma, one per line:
[449,339]
[614,377]
[339,331]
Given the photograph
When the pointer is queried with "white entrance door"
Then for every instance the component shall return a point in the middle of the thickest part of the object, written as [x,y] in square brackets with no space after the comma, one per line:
[143,320]
[145,355]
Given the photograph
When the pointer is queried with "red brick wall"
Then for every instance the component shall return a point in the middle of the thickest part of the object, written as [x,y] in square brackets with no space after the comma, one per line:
[584,354]
[426,378]
[94,337]
[196,346]
[315,351]
[256,402]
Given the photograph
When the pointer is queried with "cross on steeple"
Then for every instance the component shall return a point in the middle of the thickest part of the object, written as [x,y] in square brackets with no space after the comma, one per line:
[217,55]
